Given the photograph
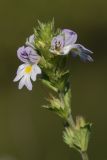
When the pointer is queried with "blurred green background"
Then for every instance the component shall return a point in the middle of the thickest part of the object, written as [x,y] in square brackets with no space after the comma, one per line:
[28,132]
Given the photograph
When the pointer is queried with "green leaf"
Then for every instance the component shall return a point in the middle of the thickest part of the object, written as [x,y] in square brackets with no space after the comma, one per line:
[68,136]
[78,137]
[67,98]
[48,83]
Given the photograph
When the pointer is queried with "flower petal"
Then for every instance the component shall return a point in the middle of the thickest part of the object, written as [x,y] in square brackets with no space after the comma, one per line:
[35,70]
[66,50]
[32,55]
[82,52]
[18,77]
[28,55]
[22,82]
[70,36]
[57,44]
[28,83]
[22,55]
[33,76]
[21,67]
[34,58]
[31,41]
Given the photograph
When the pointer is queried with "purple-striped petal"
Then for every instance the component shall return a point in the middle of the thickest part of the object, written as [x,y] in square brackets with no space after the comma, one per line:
[28,55]
[22,55]
[32,55]
[70,36]
[57,42]
[82,52]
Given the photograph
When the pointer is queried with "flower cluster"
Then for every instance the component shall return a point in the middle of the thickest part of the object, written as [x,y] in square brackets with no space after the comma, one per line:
[40,49]
[47,53]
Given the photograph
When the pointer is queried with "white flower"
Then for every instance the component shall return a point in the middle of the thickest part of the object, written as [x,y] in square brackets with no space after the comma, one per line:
[65,43]
[26,73]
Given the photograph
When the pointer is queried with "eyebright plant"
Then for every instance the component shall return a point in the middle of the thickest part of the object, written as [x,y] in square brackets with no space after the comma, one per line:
[46,55]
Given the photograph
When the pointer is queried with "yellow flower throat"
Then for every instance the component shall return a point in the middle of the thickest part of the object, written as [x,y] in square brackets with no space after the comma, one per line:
[28,69]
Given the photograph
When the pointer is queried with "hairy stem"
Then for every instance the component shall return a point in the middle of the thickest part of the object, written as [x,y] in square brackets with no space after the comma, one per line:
[70,118]
[84,156]
[72,124]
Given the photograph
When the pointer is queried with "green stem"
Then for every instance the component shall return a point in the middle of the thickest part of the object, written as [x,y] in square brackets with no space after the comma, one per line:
[72,124]
[69,118]
[84,156]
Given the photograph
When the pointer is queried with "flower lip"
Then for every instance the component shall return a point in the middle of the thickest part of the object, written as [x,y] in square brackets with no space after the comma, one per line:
[26,73]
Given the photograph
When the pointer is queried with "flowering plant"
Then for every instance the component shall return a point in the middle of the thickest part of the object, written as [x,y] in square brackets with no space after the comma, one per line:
[45,56]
